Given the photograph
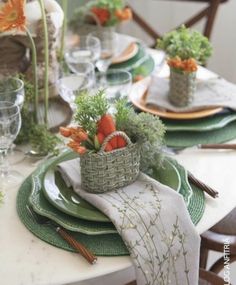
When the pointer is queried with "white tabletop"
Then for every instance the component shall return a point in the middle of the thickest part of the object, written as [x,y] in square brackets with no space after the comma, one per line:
[26,260]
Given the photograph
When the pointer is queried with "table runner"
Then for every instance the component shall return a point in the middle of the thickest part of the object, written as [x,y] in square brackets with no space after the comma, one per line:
[214,92]
[164,250]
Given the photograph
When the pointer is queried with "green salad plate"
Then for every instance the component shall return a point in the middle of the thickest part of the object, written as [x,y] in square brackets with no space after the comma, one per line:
[50,185]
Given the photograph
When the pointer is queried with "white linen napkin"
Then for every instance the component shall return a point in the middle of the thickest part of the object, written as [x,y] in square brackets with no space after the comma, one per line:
[215,92]
[153,221]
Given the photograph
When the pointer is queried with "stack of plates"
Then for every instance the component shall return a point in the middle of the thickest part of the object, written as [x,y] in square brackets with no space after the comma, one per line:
[208,125]
[47,193]
[132,56]
[135,59]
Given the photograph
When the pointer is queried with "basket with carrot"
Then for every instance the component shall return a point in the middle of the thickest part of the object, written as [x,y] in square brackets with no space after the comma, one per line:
[109,146]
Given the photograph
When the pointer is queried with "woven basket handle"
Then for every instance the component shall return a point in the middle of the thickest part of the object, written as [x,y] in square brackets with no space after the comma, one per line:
[112,135]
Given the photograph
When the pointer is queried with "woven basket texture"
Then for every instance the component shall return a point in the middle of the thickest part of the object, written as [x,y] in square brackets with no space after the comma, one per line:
[182,88]
[105,171]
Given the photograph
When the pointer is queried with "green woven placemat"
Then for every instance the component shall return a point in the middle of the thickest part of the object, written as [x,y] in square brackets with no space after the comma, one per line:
[187,139]
[196,206]
[103,245]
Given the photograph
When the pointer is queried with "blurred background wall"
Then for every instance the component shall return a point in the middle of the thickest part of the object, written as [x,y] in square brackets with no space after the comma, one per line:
[164,15]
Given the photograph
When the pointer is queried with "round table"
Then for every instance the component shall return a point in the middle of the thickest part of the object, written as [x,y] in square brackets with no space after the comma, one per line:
[27,260]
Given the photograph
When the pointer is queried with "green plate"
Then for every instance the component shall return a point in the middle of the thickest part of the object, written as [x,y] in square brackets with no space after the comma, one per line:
[41,205]
[186,138]
[169,175]
[184,188]
[67,201]
[141,64]
[205,124]
[103,245]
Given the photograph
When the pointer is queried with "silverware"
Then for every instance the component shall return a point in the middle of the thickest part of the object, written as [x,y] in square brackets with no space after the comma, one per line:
[74,243]
[202,185]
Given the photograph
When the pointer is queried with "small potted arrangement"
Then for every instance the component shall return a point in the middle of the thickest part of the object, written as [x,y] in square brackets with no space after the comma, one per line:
[104,14]
[112,148]
[185,49]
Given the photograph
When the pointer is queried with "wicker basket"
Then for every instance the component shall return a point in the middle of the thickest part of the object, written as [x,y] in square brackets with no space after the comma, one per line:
[182,88]
[105,171]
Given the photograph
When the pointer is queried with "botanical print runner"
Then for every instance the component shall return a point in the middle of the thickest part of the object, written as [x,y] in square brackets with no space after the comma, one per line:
[154,223]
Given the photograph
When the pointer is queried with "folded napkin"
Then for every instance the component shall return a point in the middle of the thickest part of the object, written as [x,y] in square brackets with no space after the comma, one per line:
[153,221]
[215,92]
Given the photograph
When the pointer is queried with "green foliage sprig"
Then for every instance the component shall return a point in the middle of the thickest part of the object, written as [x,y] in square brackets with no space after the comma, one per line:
[38,136]
[186,43]
[90,109]
[144,128]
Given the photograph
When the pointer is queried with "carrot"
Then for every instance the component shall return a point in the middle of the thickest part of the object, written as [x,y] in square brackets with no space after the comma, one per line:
[75,138]
[108,147]
[75,146]
[125,14]
[100,137]
[82,135]
[121,142]
[106,125]
[66,132]
[113,142]
[102,14]
[81,149]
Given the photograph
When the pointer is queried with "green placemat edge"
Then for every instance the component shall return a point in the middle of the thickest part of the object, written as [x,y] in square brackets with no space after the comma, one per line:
[103,245]
[187,139]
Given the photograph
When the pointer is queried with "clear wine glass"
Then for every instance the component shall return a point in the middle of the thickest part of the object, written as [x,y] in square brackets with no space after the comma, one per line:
[10,124]
[117,83]
[88,49]
[12,90]
[83,79]
[109,44]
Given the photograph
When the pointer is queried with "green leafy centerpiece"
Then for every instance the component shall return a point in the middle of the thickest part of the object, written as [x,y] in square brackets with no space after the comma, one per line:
[103,13]
[185,49]
[112,148]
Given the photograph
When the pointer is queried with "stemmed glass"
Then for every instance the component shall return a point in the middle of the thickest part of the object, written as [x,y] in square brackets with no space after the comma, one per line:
[117,83]
[10,124]
[12,90]
[109,43]
[88,49]
[70,86]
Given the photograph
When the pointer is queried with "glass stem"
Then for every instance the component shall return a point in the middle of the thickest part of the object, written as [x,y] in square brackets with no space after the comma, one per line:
[4,165]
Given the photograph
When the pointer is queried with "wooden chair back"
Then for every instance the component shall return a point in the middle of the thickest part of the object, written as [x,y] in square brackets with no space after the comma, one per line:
[208,12]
